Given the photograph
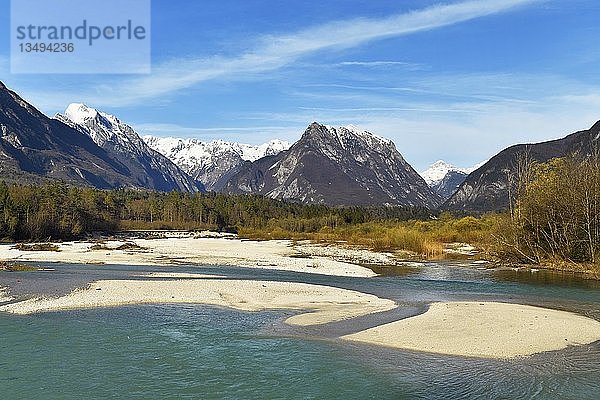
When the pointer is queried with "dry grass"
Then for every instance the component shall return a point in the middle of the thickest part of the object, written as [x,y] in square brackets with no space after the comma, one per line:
[424,239]
[587,269]
[37,247]
[130,246]
[12,267]
[427,239]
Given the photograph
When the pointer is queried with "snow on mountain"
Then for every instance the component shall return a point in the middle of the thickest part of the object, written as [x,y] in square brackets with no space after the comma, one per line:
[445,178]
[35,148]
[149,168]
[352,131]
[439,169]
[80,113]
[101,127]
[212,162]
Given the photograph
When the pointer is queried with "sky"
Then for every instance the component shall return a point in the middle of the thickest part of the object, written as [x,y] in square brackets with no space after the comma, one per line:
[452,80]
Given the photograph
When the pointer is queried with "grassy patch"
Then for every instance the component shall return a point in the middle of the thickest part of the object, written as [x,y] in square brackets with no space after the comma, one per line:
[99,246]
[130,246]
[407,239]
[12,267]
[36,247]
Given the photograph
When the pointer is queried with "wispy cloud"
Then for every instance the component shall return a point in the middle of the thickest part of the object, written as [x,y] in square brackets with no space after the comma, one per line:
[254,134]
[496,111]
[276,51]
[386,64]
[376,63]
[366,87]
[469,87]
[392,109]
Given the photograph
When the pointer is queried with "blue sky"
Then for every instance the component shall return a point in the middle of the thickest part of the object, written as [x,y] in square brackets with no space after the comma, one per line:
[452,80]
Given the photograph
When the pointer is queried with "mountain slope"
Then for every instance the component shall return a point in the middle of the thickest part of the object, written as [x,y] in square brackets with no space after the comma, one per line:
[449,184]
[34,148]
[336,166]
[147,168]
[212,163]
[486,189]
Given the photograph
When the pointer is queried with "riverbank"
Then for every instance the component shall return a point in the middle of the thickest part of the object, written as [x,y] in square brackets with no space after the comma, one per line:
[322,304]
[196,249]
[4,297]
[484,330]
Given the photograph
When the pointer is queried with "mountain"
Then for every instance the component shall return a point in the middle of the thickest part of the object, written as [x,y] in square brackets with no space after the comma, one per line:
[34,148]
[212,163]
[438,170]
[147,168]
[449,184]
[336,166]
[486,188]
[444,179]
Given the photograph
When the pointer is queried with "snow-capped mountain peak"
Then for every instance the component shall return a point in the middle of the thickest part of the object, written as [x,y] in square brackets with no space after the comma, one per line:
[100,126]
[212,162]
[444,178]
[438,170]
[79,113]
[150,168]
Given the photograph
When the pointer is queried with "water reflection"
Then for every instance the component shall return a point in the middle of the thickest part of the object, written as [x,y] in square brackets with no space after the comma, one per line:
[545,277]
[393,270]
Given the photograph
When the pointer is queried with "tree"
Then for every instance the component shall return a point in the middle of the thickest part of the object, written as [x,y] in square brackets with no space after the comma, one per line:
[555,214]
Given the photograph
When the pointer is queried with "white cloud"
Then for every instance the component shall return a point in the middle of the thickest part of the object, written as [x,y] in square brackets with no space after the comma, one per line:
[384,64]
[275,52]
[377,63]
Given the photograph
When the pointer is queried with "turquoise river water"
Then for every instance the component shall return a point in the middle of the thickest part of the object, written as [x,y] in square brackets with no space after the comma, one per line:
[201,352]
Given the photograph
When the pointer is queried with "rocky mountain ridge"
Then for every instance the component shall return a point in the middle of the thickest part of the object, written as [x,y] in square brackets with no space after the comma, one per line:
[336,166]
[212,163]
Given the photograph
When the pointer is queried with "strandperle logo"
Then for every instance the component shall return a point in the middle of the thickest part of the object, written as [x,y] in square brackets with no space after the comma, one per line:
[80,36]
[90,33]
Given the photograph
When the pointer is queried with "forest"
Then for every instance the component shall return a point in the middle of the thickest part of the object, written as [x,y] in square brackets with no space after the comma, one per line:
[56,211]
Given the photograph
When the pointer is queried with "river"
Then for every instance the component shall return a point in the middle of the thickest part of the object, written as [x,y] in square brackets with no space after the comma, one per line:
[202,352]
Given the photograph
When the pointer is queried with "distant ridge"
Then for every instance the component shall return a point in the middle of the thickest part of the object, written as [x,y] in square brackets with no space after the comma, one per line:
[486,189]
[212,163]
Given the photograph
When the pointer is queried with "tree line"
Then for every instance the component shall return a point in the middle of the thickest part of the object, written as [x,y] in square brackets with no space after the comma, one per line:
[56,210]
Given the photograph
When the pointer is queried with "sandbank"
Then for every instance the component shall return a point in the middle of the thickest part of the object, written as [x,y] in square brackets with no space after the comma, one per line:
[322,304]
[4,297]
[179,275]
[274,254]
[484,329]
